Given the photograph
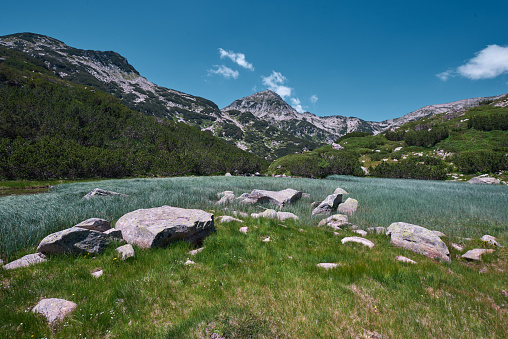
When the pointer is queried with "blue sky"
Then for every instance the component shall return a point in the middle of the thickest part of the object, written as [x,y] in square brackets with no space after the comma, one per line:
[370,59]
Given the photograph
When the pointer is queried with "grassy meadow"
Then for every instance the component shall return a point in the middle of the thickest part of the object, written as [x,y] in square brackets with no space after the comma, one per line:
[243,287]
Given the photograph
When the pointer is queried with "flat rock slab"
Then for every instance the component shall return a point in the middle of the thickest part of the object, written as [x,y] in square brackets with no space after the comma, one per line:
[476,253]
[330,203]
[419,240]
[99,192]
[279,198]
[227,218]
[348,207]
[27,260]
[157,227]
[404,259]
[327,265]
[95,224]
[54,309]
[74,240]
[126,251]
[358,240]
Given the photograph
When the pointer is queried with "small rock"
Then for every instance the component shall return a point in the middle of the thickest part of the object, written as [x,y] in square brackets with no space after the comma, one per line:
[348,207]
[189,262]
[244,229]
[269,213]
[196,251]
[240,214]
[54,309]
[126,251]
[476,253]
[330,203]
[335,221]
[365,170]
[339,190]
[301,230]
[114,233]
[267,239]
[327,265]
[95,224]
[490,239]
[439,234]
[98,192]
[286,215]
[227,174]
[397,149]
[225,198]
[360,232]
[27,260]
[336,233]
[227,218]
[380,230]
[457,247]
[404,259]
[97,273]
[484,179]
[359,240]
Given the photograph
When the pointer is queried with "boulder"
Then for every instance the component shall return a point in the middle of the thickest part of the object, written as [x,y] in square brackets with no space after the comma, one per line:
[126,251]
[404,259]
[114,233]
[97,273]
[269,213]
[227,174]
[286,215]
[279,198]
[358,240]
[348,207]
[227,218]
[335,221]
[159,226]
[476,253]
[484,179]
[95,224]
[327,265]
[419,240]
[54,309]
[27,260]
[98,192]
[330,203]
[74,240]
[339,190]
[490,239]
[457,247]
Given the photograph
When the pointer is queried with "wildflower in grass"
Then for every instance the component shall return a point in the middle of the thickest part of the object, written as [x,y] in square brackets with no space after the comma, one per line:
[114,258]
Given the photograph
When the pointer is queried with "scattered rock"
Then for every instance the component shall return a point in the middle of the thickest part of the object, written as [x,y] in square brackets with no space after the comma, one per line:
[267,239]
[95,224]
[227,218]
[335,221]
[244,229]
[359,240]
[286,215]
[74,240]
[484,179]
[27,260]
[490,239]
[54,309]
[97,273]
[98,192]
[330,203]
[240,214]
[348,207]
[439,234]
[418,239]
[457,247]
[114,233]
[404,259]
[365,170]
[397,149]
[327,265]
[227,174]
[360,232]
[476,253]
[225,197]
[159,226]
[268,213]
[279,198]
[189,262]
[339,190]
[126,251]
[336,233]
[337,146]
[196,251]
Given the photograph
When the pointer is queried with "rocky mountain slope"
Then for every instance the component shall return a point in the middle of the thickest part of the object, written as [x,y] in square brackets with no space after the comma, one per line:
[262,123]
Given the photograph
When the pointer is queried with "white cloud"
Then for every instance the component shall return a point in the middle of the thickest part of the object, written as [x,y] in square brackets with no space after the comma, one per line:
[487,64]
[226,72]
[295,102]
[275,83]
[238,58]
[314,98]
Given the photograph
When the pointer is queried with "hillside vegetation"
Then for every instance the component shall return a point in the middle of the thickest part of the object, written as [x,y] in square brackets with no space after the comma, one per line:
[50,128]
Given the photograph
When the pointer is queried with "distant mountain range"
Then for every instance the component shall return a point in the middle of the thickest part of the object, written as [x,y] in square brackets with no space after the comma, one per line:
[262,123]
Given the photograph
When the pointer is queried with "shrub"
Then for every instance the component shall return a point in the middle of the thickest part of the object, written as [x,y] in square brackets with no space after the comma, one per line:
[395,135]
[353,135]
[426,168]
[481,161]
[426,138]
[495,121]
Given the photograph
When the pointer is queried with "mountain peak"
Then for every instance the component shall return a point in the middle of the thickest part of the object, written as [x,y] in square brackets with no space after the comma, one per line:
[265,103]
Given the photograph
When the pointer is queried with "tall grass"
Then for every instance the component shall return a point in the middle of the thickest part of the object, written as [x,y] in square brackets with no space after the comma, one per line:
[454,208]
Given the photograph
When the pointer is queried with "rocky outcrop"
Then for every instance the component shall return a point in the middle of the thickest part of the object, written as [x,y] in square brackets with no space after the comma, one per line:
[157,227]
[329,204]
[74,240]
[27,260]
[419,240]
[54,309]
[339,190]
[279,198]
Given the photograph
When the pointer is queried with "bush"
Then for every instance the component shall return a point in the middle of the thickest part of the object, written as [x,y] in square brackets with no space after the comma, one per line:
[481,161]
[426,138]
[353,135]
[495,121]
[395,135]
[424,168]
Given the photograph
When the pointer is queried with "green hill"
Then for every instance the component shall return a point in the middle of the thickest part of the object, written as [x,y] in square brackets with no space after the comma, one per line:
[51,128]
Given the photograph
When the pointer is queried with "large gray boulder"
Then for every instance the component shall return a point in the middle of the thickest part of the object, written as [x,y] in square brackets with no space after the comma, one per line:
[348,207]
[330,203]
[159,226]
[54,309]
[484,179]
[95,224]
[74,240]
[279,198]
[419,240]
[27,260]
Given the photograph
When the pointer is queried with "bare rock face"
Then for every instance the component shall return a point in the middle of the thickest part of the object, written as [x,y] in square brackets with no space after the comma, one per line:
[419,240]
[74,240]
[329,204]
[348,207]
[279,198]
[54,309]
[99,192]
[95,224]
[157,227]
[27,260]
